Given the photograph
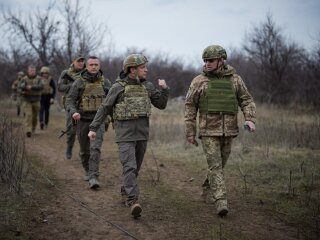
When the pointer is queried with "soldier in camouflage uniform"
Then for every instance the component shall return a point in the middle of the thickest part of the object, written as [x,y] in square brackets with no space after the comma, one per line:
[84,99]
[129,101]
[66,79]
[30,88]
[47,96]
[15,94]
[216,94]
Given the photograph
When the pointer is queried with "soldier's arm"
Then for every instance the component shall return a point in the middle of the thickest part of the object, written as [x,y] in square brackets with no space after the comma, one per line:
[106,107]
[159,98]
[107,85]
[54,89]
[73,97]
[63,82]
[191,109]
[245,100]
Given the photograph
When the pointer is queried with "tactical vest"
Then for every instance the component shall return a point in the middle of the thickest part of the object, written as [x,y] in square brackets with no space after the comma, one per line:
[47,89]
[32,82]
[136,103]
[220,97]
[92,96]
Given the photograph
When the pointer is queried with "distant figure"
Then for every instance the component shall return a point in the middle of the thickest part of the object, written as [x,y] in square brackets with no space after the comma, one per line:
[216,95]
[129,101]
[15,93]
[30,88]
[47,96]
[83,101]
[66,79]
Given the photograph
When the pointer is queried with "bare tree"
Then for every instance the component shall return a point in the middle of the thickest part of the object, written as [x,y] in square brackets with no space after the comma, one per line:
[37,32]
[273,58]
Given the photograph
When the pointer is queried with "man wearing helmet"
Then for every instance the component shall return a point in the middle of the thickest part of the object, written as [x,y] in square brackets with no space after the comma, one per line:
[15,93]
[47,96]
[84,98]
[67,77]
[216,94]
[129,101]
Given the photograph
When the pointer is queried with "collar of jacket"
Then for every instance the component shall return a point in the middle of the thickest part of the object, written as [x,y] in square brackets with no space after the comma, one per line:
[89,77]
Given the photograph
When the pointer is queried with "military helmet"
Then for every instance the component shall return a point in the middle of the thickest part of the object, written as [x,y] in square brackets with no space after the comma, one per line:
[20,74]
[44,70]
[133,60]
[214,52]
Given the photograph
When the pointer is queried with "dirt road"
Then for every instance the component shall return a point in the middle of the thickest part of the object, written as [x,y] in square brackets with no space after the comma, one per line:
[172,209]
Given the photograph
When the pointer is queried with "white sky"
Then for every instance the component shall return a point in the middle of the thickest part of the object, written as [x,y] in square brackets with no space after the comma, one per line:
[183,28]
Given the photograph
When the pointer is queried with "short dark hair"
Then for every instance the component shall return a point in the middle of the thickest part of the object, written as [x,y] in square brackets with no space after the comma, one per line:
[93,57]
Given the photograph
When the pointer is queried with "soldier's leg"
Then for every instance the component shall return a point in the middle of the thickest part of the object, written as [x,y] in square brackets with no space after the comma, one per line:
[46,110]
[71,135]
[41,112]
[35,113]
[127,157]
[84,142]
[95,152]
[226,143]
[141,147]
[215,176]
[27,106]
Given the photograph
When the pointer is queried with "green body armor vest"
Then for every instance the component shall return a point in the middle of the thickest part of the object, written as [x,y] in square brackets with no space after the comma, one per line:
[92,96]
[136,103]
[32,82]
[219,98]
[47,90]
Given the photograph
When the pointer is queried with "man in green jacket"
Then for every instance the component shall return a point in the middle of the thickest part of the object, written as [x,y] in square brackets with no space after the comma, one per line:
[83,101]
[216,95]
[129,101]
[67,77]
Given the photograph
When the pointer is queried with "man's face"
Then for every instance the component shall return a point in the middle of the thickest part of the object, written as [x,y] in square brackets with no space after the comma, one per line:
[78,64]
[93,66]
[31,71]
[45,75]
[140,71]
[212,64]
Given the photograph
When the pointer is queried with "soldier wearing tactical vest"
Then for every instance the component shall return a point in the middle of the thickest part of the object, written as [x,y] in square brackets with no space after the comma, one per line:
[129,101]
[47,96]
[30,88]
[216,95]
[84,99]
[15,93]
[67,77]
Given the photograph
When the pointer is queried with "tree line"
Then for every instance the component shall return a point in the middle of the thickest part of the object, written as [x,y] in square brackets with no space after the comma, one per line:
[276,70]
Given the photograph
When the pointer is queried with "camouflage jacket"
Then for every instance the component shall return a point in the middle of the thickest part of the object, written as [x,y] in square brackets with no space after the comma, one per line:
[133,129]
[217,124]
[33,94]
[67,77]
[77,89]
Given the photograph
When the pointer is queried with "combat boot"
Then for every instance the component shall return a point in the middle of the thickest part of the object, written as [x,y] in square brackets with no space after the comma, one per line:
[93,183]
[222,207]
[136,210]
[69,152]
[41,125]
[28,134]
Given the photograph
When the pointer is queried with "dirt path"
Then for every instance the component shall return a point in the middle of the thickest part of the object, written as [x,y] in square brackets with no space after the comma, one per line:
[172,209]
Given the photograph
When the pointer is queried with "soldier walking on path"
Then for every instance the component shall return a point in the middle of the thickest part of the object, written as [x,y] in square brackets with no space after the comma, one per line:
[47,96]
[129,101]
[216,95]
[15,93]
[30,88]
[84,99]
[66,79]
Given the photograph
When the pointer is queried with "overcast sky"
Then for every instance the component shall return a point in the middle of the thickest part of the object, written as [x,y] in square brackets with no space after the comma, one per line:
[183,28]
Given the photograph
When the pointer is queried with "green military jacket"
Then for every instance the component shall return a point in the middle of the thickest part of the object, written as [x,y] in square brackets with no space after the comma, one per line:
[77,89]
[133,129]
[67,77]
[217,124]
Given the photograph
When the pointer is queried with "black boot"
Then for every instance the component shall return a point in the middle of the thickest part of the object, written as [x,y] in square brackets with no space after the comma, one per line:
[69,152]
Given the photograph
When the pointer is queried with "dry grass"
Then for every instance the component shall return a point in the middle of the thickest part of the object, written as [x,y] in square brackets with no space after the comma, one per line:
[278,165]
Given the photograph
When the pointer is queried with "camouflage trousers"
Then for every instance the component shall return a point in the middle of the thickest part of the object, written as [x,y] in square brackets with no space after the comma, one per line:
[31,109]
[217,151]
[131,155]
[71,134]
[90,151]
